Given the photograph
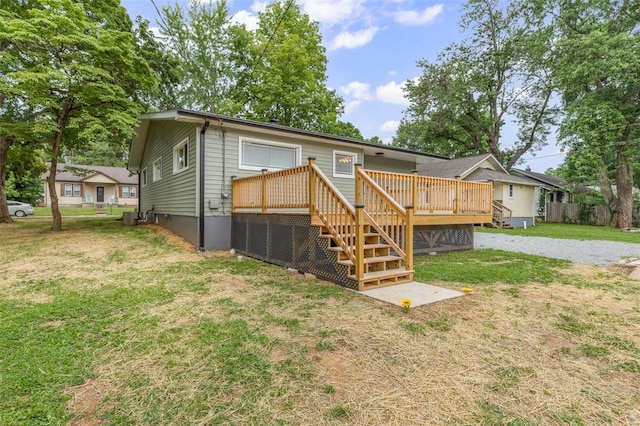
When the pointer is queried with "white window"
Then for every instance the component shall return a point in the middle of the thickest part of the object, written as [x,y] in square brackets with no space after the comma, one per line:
[125,192]
[257,155]
[157,169]
[77,190]
[511,191]
[144,177]
[132,192]
[68,188]
[344,164]
[128,192]
[181,156]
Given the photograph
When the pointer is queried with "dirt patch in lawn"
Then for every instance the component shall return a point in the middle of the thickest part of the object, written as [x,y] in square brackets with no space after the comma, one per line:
[227,341]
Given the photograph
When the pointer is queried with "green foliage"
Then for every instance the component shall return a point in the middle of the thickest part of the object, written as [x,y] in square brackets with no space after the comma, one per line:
[462,101]
[595,47]
[27,189]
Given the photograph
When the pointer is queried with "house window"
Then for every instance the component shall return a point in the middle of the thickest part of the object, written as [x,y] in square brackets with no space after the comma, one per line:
[343,164]
[128,192]
[143,178]
[72,190]
[258,155]
[157,169]
[181,156]
[511,191]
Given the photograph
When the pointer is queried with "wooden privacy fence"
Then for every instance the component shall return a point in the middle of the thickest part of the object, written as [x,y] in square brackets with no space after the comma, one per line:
[585,214]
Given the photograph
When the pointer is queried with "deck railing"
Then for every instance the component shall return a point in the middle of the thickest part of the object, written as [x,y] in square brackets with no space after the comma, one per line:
[390,219]
[434,194]
[502,215]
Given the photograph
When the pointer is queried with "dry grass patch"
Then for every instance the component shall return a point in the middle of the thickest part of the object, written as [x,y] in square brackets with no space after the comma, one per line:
[204,339]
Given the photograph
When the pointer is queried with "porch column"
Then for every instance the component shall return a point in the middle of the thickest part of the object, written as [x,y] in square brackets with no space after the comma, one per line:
[312,185]
[408,260]
[456,200]
[414,188]
[359,244]
[358,195]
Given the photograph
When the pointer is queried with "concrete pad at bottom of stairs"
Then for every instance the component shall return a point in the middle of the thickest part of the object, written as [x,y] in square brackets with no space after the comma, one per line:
[635,274]
[419,293]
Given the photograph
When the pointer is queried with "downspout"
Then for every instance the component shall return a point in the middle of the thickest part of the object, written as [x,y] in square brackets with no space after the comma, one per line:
[224,167]
[139,193]
[201,195]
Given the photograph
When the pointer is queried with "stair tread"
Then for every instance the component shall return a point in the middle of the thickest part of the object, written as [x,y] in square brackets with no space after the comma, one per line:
[366,246]
[383,274]
[373,259]
[366,234]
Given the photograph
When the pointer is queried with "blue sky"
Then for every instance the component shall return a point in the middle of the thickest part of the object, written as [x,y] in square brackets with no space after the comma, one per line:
[372,48]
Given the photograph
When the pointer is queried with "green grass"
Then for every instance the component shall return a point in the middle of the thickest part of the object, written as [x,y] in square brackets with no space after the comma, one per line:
[480,267]
[572,232]
[169,336]
[83,211]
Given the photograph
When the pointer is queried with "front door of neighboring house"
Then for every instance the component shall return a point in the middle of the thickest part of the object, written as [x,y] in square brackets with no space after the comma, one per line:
[100,194]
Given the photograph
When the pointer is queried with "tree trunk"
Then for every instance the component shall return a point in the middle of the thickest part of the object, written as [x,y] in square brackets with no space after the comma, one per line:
[624,185]
[5,143]
[606,190]
[63,119]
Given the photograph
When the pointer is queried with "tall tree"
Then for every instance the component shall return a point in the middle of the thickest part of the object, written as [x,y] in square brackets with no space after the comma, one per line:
[462,101]
[74,64]
[288,77]
[596,50]
[211,52]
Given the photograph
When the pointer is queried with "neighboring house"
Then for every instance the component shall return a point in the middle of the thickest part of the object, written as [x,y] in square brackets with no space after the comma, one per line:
[553,188]
[288,196]
[517,194]
[83,185]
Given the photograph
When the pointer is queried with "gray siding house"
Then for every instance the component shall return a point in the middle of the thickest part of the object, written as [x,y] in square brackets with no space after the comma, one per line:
[186,162]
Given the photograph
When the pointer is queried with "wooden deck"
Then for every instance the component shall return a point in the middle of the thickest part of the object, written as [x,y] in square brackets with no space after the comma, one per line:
[386,208]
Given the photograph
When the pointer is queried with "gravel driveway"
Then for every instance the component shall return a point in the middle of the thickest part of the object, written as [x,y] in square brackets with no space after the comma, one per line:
[577,251]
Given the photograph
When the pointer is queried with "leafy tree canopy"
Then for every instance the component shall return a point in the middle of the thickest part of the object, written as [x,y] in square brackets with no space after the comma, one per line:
[461,102]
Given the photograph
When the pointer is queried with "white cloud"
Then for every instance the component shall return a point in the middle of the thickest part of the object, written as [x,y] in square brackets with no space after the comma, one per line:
[351,106]
[389,126]
[358,90]
[350,40]
[247,18]
[392,93]
[331,12]
[411,17]
[259,6]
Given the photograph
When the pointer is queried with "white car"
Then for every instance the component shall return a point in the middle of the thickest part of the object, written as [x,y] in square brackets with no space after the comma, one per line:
[20,209]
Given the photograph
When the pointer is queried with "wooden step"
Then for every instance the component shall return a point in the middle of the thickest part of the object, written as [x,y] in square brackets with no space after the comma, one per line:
[366,234]
[366,246]
[384,278]
[374,259]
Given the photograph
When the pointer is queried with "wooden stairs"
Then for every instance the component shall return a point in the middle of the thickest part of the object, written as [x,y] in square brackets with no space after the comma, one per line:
[382,267]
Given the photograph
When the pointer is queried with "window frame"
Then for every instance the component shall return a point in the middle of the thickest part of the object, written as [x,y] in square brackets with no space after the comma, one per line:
[125,192]
[68,192]
[354,160]
[512,191]
[143,177]
[79,187]
[182,144]
[242,140]
[133,192]
[157,166]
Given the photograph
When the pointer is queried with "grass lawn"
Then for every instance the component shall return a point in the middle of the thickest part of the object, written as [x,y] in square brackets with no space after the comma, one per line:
[83,211]
[103,324]
[570,231]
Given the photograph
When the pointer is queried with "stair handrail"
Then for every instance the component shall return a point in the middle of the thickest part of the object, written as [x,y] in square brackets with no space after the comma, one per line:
[326,201]
[499,210]
[401,236]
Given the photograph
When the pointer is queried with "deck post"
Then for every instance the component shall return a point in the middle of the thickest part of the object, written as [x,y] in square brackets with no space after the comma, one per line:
[414,188]
[359,243]
[233,194]
[312,185]
[456,200]
[408,261]
[358,167]
[264,191]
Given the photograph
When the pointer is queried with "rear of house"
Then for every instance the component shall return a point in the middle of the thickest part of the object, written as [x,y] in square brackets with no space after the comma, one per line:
[171,147]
